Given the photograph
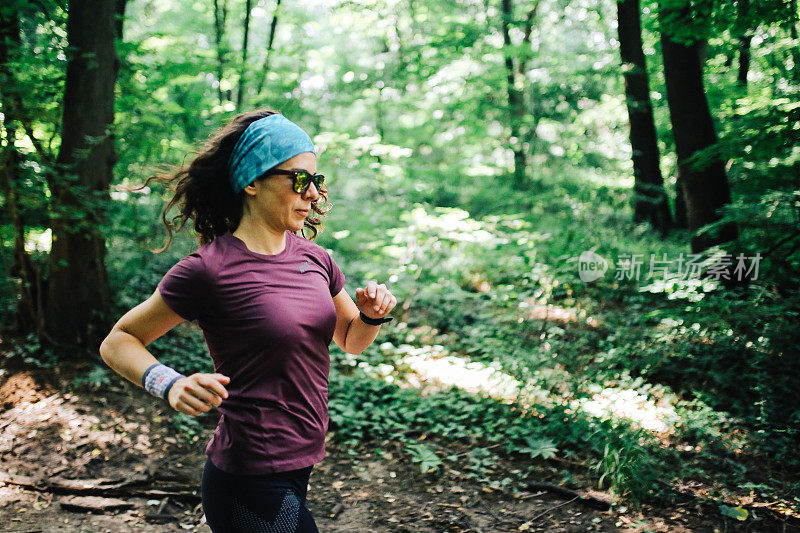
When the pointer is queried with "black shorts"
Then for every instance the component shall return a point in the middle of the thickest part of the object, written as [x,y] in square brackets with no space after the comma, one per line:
[268,503]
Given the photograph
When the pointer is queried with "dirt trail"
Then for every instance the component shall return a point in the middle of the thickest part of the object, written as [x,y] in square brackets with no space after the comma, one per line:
[121,432]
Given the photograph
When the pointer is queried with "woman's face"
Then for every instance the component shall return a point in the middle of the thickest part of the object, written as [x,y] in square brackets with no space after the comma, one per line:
[273,200]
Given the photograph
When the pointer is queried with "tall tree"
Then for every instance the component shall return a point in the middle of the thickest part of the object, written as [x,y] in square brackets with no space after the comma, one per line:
[243,66]
[220,21]
[704,186]
[532,116]
[522,131]
[78,295]
[120,17]
[743,29]
[272,27]
[650,200]
[516,103]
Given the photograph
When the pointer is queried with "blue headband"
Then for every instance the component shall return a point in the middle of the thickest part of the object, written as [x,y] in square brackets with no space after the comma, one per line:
[266,143]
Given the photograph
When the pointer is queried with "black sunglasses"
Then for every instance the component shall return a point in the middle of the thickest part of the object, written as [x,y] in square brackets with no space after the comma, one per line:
[301,178]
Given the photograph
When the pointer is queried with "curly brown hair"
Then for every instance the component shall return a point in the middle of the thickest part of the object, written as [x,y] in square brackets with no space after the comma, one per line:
[203,191]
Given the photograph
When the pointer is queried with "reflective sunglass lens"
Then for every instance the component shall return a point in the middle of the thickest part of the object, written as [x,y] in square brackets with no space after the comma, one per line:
[304,179]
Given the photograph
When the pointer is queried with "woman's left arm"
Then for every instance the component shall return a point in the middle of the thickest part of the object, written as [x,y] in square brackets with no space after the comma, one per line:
[352,334]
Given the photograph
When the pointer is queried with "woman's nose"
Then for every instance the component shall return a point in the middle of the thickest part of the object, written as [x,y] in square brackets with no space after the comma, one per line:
[311,192]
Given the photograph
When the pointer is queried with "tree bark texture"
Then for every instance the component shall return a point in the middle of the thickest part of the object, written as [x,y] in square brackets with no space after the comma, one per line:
[516,105]
[78,294]
[743,8]
[220,21]
[650,201]
[705,189]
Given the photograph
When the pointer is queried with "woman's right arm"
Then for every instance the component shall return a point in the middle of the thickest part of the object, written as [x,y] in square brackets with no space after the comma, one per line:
[124,348]
[124,351]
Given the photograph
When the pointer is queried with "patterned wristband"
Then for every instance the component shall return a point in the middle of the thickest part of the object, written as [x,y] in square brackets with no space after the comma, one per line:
[158,379]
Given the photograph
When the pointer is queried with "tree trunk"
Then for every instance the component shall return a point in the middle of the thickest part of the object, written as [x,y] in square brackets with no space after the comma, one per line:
[243,68]
[272,27]
[680,205]
[531,116]
[77,313]
[650,201]
[705,189]
[119,17]
[220,20]
[744,60]
[516,106]
[743,8]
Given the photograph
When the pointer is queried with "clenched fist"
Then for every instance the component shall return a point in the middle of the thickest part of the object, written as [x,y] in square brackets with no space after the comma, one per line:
[375,300]
[198,393]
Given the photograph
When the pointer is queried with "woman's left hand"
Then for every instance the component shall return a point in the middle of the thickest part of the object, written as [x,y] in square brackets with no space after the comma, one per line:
[375,300]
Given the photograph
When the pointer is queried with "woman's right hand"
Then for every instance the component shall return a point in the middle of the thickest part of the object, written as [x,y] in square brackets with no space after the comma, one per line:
[198,393]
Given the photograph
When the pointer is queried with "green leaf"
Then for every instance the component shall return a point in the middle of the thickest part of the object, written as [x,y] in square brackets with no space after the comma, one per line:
[544,448]
[429,461]
[739,513]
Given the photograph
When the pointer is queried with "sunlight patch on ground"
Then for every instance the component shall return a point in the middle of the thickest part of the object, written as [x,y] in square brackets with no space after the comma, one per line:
[556,313]
[629,404]
[430,363]
[451,223]
[433,367]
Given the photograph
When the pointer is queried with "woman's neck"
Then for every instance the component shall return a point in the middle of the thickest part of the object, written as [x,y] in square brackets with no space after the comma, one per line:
[261,239]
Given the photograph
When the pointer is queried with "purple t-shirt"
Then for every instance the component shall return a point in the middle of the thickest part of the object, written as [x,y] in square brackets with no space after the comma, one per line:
[268,321]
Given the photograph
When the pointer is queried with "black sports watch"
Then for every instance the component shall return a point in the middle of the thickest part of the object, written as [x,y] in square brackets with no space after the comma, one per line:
[374,321]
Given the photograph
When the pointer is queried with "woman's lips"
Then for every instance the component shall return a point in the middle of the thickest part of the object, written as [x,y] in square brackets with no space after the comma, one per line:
[304,212]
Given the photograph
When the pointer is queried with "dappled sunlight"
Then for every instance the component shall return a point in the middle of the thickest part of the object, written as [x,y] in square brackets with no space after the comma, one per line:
[629,404]
[555,313]
[432,368]
[677,288]
[450,223]
[38,241]
[34,418]
[448,370]
[603,179]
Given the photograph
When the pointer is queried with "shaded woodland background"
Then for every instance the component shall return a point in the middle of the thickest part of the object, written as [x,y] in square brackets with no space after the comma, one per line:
[473,151]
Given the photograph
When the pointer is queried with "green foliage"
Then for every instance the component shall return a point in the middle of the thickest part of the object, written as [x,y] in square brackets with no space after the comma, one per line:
[480,462]
[737,513]
[426,457]
[627,467]
[96,378]
[662,341]
[363,410]
[188,426]
[543,448]
[31,353]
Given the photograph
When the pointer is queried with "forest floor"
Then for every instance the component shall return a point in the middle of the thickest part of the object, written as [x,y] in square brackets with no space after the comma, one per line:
[130,459]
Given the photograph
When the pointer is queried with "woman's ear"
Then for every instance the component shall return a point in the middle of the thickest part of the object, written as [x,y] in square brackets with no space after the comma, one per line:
[251,189]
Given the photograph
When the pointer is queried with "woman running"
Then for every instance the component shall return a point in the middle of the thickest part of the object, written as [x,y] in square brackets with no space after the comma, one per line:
[269,302]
